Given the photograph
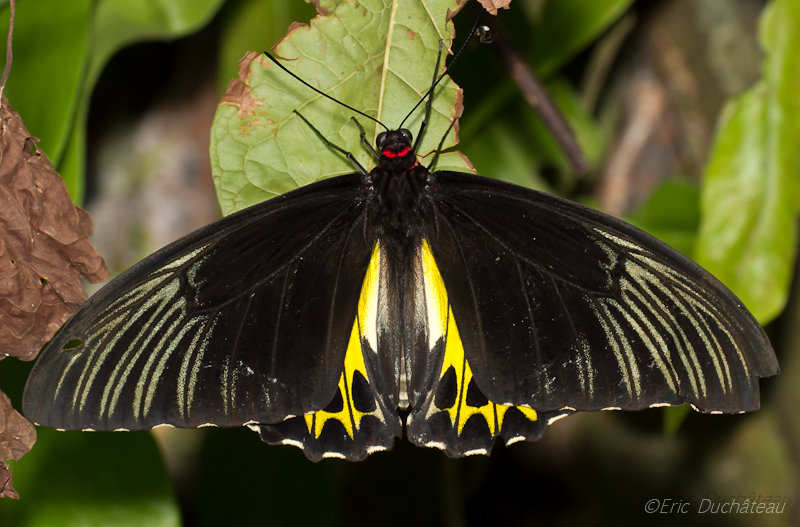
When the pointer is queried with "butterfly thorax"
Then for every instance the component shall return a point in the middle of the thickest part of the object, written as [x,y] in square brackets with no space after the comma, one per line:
[399,182]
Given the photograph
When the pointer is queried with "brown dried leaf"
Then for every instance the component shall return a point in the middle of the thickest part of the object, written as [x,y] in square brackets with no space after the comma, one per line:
[17,436]
[238,93]
[493,5]
[44,248]
[6,490]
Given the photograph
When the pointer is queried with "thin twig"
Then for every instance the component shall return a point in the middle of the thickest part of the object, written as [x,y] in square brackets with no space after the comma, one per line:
[9,51]
[536,95]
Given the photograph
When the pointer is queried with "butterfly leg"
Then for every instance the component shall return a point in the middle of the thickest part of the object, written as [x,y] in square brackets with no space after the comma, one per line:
[347,154]
[441,143]
[364,140]
[430,99]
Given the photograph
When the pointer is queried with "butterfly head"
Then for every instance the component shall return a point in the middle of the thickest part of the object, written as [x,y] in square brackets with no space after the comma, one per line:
[395,150]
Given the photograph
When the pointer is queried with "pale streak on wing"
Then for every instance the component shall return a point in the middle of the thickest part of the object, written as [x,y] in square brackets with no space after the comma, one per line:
[153,384]
[181,386]
[622,243]
[368,320]
[435,298]
[645,279]
[693,304]
[235,373]
[647,342]
[706,308]
[141,383]
[224,384]
[129,365]
[131,297]
[183,259]
[587,362]
[196,366]
[686,290]
[169,291]
[665,363]
[86,369]
[616,337]
[580,357]
[63,375]
[712,344]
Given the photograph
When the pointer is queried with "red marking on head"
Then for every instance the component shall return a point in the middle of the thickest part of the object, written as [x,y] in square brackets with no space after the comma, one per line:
[401,153]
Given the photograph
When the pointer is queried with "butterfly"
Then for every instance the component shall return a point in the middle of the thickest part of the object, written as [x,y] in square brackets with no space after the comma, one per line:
[476,308]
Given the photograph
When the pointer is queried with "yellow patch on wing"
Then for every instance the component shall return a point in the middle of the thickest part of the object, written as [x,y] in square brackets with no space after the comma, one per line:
[442,324]
[363,327]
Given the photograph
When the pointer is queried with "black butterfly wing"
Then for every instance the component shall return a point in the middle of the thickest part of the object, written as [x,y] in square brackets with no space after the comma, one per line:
[562,307]
[245,320]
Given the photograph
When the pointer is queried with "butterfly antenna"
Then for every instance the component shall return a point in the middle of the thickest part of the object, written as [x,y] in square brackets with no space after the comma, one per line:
[281,66]
[447,70]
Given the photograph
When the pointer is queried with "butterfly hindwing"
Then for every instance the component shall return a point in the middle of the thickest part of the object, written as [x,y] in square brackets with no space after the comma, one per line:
[455,415]
[562,307]
[361,418]
[245,320]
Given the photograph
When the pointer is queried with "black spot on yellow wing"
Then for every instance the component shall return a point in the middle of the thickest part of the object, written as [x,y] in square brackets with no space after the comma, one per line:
[336,406]
[475,397]
[456,416]
[363,396]
[447,391]
[358,420]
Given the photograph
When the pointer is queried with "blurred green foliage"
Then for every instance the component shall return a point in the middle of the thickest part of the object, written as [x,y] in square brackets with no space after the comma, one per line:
[751,192]
[740,224]
[60,49]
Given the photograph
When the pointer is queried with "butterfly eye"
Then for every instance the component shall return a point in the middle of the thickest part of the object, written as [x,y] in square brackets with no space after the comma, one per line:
[406,134]
[379,141]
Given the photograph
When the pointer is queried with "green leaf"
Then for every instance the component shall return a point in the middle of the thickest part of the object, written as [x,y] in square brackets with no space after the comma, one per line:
[50,55]
[116,24]
[81,478]
[671,214]
[751,194]
[515,143]
[588,134]
[567,26]
[377,56]
[327,5]
[255,25]
[509,154]
[120,23]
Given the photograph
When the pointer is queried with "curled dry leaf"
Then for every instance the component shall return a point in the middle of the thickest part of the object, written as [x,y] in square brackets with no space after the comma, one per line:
[493,5]
[17,436]
[44,248]
[6,490]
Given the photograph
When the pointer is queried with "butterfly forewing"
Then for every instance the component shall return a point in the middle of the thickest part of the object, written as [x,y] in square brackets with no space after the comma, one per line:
[561,307]
[247,319]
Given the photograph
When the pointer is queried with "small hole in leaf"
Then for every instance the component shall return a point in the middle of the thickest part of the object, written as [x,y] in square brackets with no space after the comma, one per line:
[72,344]
[43,280]
[30,144]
